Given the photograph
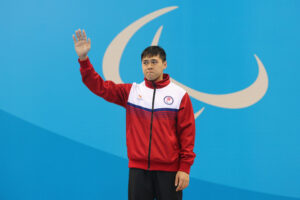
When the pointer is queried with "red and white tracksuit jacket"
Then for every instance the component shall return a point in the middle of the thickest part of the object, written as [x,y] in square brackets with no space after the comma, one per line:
[160,124]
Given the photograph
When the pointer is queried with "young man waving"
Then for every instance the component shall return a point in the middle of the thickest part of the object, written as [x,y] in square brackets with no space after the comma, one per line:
[160,124]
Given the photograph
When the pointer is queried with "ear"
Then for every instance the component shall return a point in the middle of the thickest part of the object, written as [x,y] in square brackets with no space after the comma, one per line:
[165,64]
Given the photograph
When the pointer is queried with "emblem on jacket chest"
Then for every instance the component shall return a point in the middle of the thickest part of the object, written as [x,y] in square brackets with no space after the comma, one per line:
[168,100]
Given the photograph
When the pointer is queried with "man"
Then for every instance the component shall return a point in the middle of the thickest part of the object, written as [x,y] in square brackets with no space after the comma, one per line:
[160,124]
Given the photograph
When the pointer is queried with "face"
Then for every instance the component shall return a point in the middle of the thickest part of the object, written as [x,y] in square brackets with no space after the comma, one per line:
[153,68]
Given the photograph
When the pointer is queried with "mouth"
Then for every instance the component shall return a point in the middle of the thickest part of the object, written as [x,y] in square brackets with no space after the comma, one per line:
[150,75]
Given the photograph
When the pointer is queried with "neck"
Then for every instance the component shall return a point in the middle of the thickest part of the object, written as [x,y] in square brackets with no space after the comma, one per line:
[159,83]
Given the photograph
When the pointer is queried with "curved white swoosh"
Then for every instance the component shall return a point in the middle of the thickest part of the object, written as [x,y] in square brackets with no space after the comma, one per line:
[113,54]
[240,99]
[198,113]
[156,36]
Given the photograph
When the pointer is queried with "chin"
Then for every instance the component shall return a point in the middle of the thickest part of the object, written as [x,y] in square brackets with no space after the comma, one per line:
[149,78]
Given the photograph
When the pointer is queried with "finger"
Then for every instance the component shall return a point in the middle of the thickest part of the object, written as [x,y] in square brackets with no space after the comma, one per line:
[185,185]
[179,185]
[84,35]
[78,34]
[74,38]
[176,180]
[182,185]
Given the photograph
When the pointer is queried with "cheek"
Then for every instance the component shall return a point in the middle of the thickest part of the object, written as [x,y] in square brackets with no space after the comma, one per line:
[143,69]
[160,70]
[145,72]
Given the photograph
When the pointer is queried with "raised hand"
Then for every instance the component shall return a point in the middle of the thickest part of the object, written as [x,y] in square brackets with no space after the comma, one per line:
[82,45]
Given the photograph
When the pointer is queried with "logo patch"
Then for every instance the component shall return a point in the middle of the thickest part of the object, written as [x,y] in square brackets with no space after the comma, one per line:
[168,100]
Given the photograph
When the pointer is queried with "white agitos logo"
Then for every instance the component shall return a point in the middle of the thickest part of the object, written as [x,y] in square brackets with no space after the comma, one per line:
[240,99]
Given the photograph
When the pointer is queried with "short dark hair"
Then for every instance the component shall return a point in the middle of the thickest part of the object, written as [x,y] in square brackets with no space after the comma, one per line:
[154,51]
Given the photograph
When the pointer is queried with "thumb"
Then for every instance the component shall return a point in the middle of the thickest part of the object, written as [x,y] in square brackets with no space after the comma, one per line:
[89,41]
[176,179]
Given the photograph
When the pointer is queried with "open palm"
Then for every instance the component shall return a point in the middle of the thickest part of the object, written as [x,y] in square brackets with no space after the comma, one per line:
[82,45]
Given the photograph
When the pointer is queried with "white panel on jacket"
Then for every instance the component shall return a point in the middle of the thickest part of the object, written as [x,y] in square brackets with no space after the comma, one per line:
[168,97]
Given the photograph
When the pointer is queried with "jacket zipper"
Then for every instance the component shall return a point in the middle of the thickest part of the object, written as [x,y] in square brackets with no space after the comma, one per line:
[151,124]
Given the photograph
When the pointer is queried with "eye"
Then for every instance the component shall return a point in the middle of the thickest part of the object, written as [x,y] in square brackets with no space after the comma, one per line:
[154,62]
[146,62]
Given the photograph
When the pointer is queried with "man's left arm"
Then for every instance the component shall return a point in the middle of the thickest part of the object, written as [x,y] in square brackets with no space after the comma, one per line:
[186,135]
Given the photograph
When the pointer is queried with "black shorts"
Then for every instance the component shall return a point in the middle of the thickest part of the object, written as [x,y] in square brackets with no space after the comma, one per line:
[149,185]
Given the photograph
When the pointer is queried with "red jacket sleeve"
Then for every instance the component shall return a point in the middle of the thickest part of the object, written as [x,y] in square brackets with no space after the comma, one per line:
[110,91]
[186,133]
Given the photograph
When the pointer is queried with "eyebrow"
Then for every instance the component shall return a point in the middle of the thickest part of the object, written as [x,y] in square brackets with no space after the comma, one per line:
[151,59]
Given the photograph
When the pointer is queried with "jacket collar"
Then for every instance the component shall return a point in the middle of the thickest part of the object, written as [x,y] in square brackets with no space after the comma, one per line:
[158,84]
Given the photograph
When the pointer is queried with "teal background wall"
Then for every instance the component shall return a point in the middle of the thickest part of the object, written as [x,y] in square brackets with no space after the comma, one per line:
[60,141]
